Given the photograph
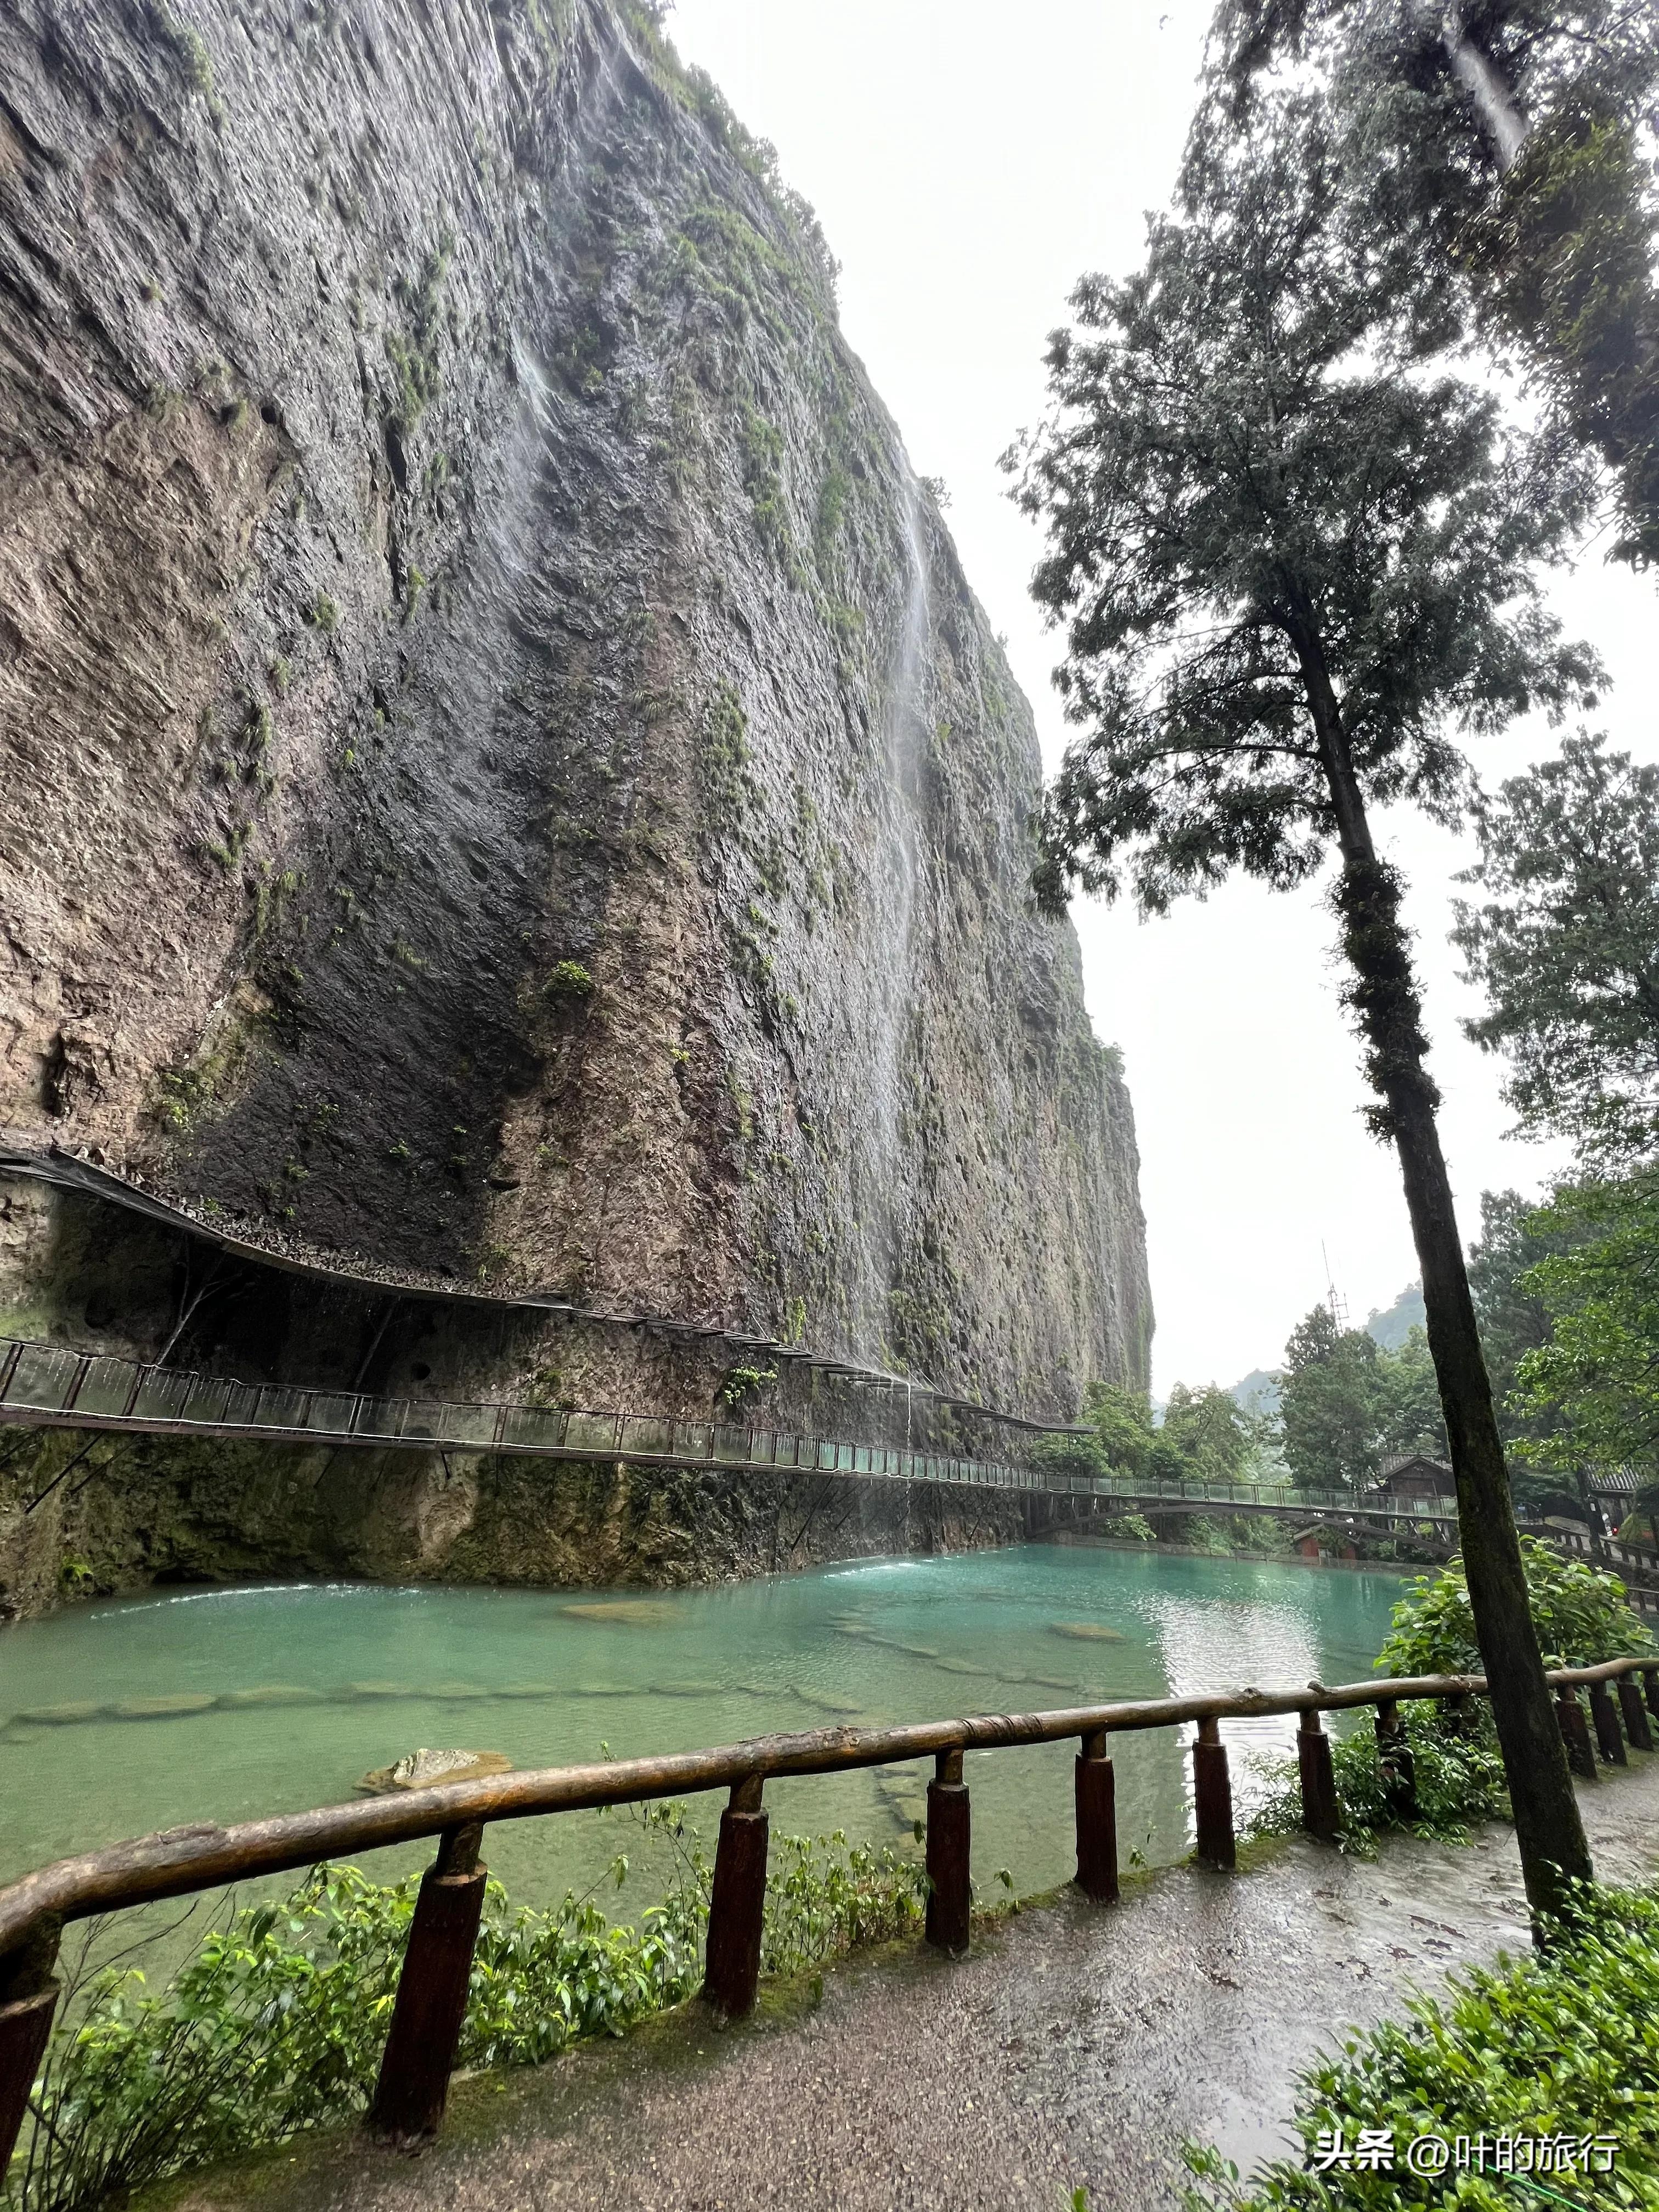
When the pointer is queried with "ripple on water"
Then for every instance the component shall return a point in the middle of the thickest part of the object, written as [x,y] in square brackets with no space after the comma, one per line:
[558,1674]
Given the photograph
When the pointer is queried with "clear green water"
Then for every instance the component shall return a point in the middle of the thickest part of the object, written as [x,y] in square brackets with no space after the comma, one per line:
[350,1676]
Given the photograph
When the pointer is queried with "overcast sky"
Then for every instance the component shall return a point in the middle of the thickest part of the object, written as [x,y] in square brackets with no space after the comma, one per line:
[969,161]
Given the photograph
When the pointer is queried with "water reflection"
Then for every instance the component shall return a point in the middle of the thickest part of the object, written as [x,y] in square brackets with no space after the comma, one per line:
[119,1718]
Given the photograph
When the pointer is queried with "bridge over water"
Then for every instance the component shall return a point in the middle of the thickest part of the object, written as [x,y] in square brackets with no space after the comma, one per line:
[48,1386]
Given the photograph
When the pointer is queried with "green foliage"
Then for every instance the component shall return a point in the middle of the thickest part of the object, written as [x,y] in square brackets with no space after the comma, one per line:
[1522,211]
[1328,1405]
[1582,1616]
[1408,1398]
[1591,1393]
[1123,1420]
[567,978]
[824,1897]
[275,2024]
[1513,1313]
[1345,1403]
[228,856]
[1206,1436]
[271,2027]
[1258,510]
[1458,1779]
[414,357]
[323,614]
[1565,945]
[739,1384]
[727,784]
[1565,259]
[833,495]
[1559,2042]
[190,51]
[763,453]
[1084,1456]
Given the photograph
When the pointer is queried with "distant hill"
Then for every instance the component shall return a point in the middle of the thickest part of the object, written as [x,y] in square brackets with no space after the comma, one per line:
[1391,1328]
[1258,1391]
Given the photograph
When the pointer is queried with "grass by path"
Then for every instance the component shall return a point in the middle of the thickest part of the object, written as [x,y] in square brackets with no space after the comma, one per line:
[1076,2048]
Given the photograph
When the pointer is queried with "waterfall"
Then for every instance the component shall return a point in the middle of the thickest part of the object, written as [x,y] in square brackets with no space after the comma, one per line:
[897,889]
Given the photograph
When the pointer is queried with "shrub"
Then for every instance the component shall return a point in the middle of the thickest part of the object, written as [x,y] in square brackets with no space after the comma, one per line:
[1559,2045]
[1080,1455]
[275,2025]
[740,1384]
[1582,1617]
[1459,1782]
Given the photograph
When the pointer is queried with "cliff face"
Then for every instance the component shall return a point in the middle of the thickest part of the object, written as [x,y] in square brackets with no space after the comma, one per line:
[503,773]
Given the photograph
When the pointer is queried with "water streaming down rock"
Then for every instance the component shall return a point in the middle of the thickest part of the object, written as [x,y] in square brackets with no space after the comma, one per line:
[899,885]
[506,778]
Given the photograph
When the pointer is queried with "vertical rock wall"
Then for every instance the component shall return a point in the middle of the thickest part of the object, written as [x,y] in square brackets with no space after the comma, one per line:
[503,773]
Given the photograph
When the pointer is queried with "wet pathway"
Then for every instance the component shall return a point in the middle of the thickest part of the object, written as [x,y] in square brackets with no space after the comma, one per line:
[1076,2046]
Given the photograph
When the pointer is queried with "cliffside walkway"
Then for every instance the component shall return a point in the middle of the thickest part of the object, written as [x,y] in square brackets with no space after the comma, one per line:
[46,1385]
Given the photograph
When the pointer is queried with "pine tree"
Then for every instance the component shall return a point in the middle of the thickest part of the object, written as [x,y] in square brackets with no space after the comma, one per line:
[1566,944]
[1293,562]
[1501,148]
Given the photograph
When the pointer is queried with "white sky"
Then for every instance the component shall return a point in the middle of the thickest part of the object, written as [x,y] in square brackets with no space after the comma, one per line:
[968,162]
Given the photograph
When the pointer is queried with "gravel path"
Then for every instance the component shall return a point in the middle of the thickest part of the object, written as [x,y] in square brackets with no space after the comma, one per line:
[1075,2046]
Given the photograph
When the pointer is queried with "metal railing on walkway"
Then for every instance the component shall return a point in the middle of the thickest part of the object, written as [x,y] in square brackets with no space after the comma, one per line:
[432,1991]
[48,1385]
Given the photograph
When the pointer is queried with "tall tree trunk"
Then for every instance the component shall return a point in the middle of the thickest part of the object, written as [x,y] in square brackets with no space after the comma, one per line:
[1495,107]
[1383,996]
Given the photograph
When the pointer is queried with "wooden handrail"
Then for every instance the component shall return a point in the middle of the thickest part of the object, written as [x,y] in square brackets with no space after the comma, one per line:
[203,1855]
[432,1988]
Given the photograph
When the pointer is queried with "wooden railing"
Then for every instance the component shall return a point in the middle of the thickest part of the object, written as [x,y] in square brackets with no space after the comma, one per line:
[432,1990]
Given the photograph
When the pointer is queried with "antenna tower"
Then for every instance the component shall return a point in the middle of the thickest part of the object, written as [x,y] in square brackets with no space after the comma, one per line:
[1335,1304]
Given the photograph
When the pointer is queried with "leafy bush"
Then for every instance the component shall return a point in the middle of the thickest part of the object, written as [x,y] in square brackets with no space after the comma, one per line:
[1581,1614]
[1082,1455]
[1561,2044]
[275,2024]
[1459,1781]
[827,1897]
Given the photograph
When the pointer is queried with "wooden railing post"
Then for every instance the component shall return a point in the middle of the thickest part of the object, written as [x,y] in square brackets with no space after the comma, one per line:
[1650,1686]
[1635,1713]
[1096,1821]
[949,1894]
[1396,1763]
[1212,1797]
[1574,1734]
[431,2003]
[1313,1754]
[737,1909]
[1609,1736]
[28,1998]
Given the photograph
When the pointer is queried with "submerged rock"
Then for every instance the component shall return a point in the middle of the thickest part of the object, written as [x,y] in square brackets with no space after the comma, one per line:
[159,1709]
[828,1705]
[272,1693]
[1086,1632]
[631,1612]
[415,1770]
